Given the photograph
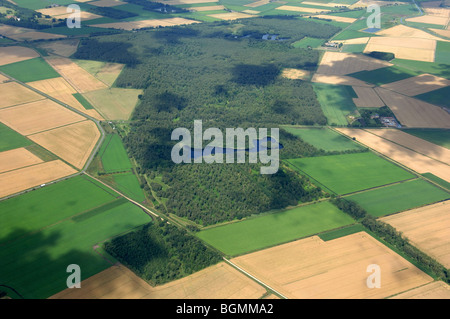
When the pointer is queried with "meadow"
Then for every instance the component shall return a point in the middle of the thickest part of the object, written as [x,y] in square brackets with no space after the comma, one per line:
[275,228]
[437,180]
[11,139]
[113,155]
[30,70]
[128,184]
[349,173]
[399,197]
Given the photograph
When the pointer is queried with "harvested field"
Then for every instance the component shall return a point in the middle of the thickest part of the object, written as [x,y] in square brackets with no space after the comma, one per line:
[339,80]
[37,116]
[104,71]
[404,48]
[152,23]
[367,97]
[439,12]
[414,143]
[404,31]
[362,40]
[9,30]
[62,13]
[24,178]
[251,11]
[79,78]
[207,8]
[322,4]
[63,48]
[400,154]
[73,143]
[107,3]
[13,93]
[302,9]
[36,35]
[312,268]
[14,54]
[295,74]
[257,3]
[417,85]
[338,63]
[413,112]
[444,33]
[427,229]
[433,290]
[177,2]
[335,18]
[17,158]
[230,15]
[118,282]
[429,19]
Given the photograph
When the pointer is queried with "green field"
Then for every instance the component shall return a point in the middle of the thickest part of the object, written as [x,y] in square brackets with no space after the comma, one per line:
[437,180]
[40,4]
[438,97]
[341,232]
[272,229]
[438,69]
[437,136]
[128,184]
[324,138]
[10,139]
[354,48]
[83,101]
[113,155]
[336,102]
[399,197]
[30,70]
[349,173]
[442,54]
[305,42]
[384,75]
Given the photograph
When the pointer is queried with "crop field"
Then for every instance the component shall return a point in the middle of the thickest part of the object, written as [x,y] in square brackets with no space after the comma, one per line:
[338,80]
[404,48]
[15,54]
[438,69]
[17,158]
[220,281]
[128,184]
[384,75]
[438,97]
[367,97]
[324,138]
[11,139]
[391,199]
[418,85]
[439,137]
[63,48]
[105,72]
[295,74]
[309,42]
[30,70]
[151,23]
[349,173]
[442,52]
[275,228]
[434,290]
[113,155]
[338,63]
[312,268]
[13,93]
[407,32]
[336,102]
[427,229]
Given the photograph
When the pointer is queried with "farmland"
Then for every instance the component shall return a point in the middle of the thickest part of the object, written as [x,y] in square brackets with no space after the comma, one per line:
[11,139]
[30,70]
[113,155]
[274,228]
[438,137]
[349,173]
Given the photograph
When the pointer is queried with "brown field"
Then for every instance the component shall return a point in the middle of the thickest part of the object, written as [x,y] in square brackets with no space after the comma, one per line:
[114,103]
[417,85]
[9,30]
[79,78]
[230,15]
[295,74]
[152,23]
[61,90]
[339,80]
[207,8]
[16,54]
[339,63]
[444,33]
[257,3]
[404,48]
[61,13]
[433,290]
[12,93]
[412,112]
[402,31]
[335,18]
[402,155]
[431,4]
[107,3]
[427,228]
[73,143]
[24,178]
[37,116]
[118,282]
[36,35]
[367,97]
[63,48]
[312,268]
[17,158]
[177,2]
[302,9]
[428,18]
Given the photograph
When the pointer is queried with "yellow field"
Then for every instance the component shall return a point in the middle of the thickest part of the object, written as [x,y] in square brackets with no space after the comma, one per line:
[207,8]
[339,80]
[417,85]
[257,3]
[404,48]
[16,54]
[427,229]
[79,78]
[17,158]
[230,15]
[24,178]
[73,143]
[367,97]
[107,3]
[433,290]
[302,9]
[63,48]
[444,33]
[295,74]
[413,112]
[404,156]
[177,2]
[12,93]
[61,13]
[312,268]
[438,12]
[152,23]
[332,5]
[429,19]
[117,282]
[37,116]
[36,35]
[339,63]
[251,11]
[335,18]
[402,31]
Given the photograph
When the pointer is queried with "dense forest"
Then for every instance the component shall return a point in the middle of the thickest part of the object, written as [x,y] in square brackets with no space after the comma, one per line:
[159,252]
[227,75]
